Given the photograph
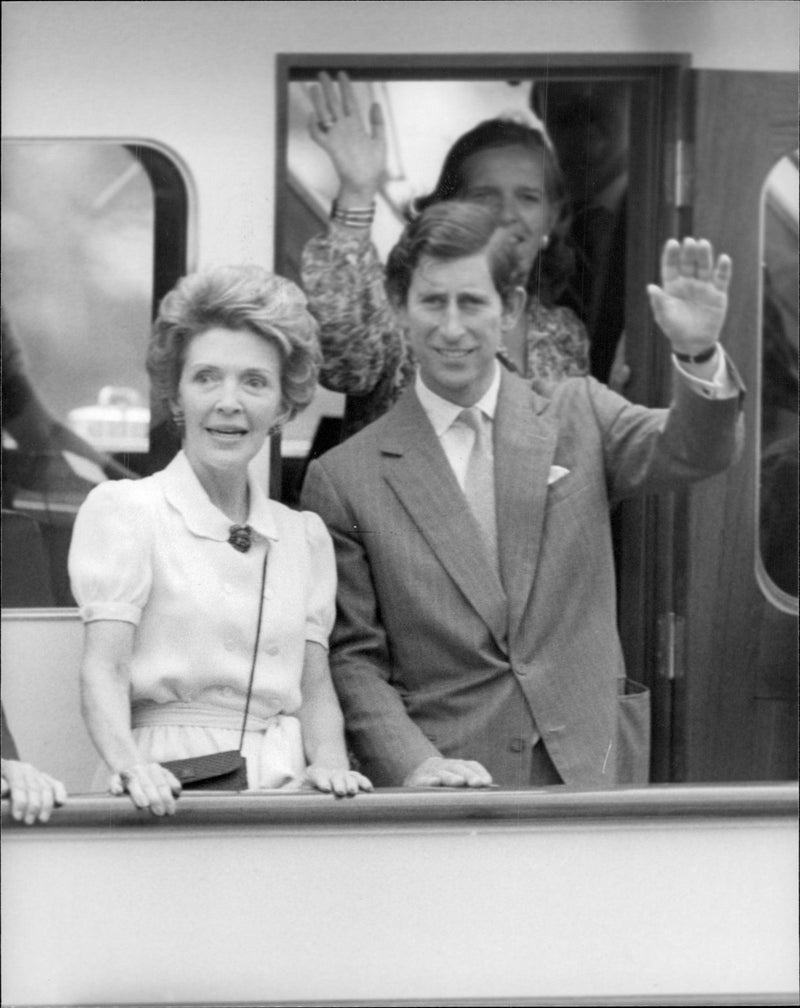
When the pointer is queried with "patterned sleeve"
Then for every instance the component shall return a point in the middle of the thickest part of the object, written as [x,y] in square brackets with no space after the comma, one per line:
[362,344]
[321,598]
[558,346]
[109,556]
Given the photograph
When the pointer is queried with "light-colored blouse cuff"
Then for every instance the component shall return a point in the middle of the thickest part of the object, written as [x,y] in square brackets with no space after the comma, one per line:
[122,611]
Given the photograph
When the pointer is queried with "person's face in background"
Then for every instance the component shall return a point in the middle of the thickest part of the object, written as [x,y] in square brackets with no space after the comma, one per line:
[230,395]
[510,181]
[456,321]
[588,124]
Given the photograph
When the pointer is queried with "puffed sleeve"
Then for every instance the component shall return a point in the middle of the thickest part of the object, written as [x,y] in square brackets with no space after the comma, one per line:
[321,597]
[109,558]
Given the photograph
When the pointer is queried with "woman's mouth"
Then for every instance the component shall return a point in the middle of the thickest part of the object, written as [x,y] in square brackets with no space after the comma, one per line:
[232,433]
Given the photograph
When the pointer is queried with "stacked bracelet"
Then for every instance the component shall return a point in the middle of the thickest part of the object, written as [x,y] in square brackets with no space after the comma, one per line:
[700,358]
[354,217]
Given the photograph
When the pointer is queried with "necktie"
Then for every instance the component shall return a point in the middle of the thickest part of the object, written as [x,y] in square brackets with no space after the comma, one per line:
[479,481]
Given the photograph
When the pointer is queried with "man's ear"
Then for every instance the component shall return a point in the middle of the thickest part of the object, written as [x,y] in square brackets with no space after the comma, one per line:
[513,307]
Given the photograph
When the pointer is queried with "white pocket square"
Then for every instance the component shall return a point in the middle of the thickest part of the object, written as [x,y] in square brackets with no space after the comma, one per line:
[556,473]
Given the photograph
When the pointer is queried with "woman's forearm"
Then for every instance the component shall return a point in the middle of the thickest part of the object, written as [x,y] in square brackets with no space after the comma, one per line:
[106,710]
[105,691]
[320,714]
[360,339]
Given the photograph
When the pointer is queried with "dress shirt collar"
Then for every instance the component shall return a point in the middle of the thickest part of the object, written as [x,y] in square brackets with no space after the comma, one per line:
[442,413]
[185,493]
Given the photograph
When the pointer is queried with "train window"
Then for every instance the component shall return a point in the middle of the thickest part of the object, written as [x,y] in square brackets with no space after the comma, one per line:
[777,562]
[93,234]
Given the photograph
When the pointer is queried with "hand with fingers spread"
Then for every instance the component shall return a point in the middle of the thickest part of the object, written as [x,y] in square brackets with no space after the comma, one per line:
[358,153]
[33,794]
[690,305]
[149,785]
[342,783]
[437,771]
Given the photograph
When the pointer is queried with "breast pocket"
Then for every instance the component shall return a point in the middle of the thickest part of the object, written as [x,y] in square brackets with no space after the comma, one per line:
[568,486]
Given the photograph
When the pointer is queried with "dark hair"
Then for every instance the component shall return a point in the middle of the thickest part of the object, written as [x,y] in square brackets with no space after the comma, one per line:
[549,274]
[453,230]
[244,298]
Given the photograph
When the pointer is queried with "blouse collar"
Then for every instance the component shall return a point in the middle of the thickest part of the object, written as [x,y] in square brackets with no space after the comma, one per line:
[185,493]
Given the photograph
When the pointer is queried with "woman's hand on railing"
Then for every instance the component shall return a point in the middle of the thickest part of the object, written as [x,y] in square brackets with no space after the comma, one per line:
[149,785]
[342,783]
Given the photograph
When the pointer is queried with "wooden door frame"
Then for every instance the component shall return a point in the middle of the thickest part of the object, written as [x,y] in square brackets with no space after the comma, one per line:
[654,212]
[734,704]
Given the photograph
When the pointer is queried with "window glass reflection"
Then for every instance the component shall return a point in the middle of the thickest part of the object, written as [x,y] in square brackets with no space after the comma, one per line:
[778,526]
[77,261]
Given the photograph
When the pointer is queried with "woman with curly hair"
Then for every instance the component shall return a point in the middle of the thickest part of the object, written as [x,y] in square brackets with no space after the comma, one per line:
[171,571]
[504,165]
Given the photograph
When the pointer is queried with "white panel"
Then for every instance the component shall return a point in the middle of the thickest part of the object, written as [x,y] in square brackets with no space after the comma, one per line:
[200,77]
[573,910]
[41,658]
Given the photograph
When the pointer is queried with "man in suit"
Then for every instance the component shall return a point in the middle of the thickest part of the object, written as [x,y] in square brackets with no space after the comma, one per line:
[476,642]
[589,124]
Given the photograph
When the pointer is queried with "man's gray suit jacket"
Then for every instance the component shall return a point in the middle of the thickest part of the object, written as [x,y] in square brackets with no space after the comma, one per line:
[432,653]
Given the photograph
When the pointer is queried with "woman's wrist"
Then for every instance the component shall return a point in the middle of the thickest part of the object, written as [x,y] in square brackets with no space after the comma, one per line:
[351,216]
[354,196]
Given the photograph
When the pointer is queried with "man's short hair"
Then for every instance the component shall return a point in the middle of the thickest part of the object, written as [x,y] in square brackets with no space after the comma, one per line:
[453,230]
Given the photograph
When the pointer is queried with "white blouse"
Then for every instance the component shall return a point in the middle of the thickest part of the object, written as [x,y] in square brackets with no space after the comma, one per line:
[154,552]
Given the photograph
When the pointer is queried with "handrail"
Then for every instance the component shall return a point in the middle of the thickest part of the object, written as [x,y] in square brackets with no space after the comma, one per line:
[403,807]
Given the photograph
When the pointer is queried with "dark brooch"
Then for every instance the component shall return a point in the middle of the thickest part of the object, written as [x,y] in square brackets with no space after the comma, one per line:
[241,537]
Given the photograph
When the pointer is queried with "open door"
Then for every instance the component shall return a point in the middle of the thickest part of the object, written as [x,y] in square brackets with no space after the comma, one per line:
[735,691]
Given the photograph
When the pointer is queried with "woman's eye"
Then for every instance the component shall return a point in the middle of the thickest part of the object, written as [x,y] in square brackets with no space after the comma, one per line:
[480,196]
[257,381]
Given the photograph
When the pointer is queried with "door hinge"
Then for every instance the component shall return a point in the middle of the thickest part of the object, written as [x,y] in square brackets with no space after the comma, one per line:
[680,174]
[671,629]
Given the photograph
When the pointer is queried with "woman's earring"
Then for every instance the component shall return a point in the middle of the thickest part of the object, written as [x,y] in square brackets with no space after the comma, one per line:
[545,241]
[282,419]
[177,418]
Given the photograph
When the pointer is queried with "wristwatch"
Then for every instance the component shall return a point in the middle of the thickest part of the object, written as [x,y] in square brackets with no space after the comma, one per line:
[700,358]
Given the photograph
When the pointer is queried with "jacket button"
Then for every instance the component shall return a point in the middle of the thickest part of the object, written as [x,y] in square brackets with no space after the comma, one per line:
[516,745]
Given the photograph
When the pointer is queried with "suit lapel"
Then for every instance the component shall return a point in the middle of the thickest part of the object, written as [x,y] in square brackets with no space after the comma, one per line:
[524,446]
[416,469]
